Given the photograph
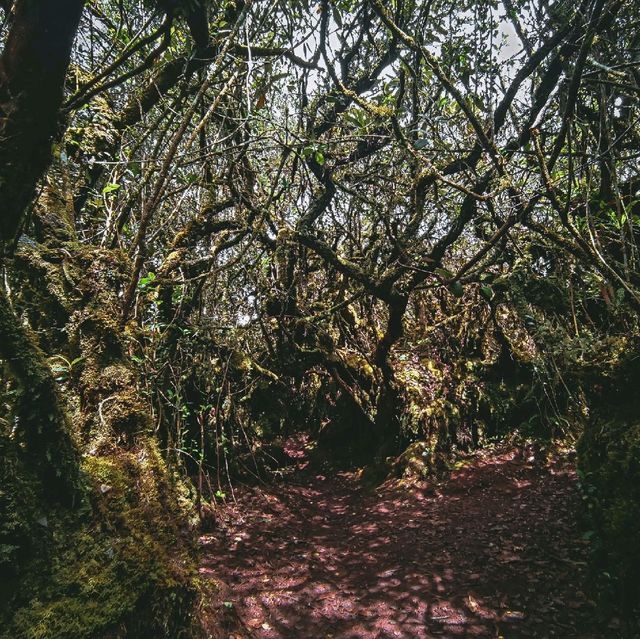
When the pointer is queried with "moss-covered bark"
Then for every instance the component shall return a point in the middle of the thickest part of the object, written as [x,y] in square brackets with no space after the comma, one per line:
[41,425]
[609,466]
[125,569]
[123,565]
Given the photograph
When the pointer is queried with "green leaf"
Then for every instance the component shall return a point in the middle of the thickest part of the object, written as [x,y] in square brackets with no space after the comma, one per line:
[146,280]
[337,17]
[110,188]
[444,273]
[352,119]
[486,292]
[456,289]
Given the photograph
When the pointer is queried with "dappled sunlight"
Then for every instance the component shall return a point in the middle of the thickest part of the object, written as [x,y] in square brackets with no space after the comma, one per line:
[321,557]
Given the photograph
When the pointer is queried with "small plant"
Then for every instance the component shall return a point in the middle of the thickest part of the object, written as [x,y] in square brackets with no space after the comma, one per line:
[63,368]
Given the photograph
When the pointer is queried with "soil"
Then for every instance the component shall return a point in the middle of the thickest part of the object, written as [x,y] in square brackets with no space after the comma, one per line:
[495,551]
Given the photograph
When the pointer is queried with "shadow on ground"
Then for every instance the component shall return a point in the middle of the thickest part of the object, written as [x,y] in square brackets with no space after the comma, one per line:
[493,553]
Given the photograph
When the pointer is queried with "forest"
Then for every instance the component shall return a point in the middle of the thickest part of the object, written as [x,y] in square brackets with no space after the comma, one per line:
[319,319]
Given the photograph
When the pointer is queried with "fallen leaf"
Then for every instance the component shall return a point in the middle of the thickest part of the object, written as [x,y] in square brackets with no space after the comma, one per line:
[513,615]
[472,604]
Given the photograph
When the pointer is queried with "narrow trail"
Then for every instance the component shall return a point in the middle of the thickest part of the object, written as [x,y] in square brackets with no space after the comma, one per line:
[495,552]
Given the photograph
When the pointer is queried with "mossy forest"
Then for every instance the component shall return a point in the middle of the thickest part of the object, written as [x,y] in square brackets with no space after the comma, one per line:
[319,320]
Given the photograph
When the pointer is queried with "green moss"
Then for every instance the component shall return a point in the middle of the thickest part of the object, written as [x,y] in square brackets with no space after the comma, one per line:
[41,425]
[128,569]
[415,461]
[609,462]
[119,558]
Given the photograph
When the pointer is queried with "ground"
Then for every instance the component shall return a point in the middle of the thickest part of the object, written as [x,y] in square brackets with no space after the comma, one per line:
[495,551]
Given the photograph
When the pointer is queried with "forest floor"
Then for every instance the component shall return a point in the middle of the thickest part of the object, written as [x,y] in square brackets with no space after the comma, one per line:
[495,551]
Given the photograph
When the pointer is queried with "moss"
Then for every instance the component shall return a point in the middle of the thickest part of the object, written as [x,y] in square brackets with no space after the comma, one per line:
[418,462]
[19,514]
[414,462]
[125,414]
[41,424]
[609,463]
[128,569]
[121,562]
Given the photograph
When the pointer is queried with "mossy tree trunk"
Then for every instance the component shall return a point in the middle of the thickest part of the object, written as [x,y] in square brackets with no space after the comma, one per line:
[388,410]
[82,284]
[41,427]
[132,555]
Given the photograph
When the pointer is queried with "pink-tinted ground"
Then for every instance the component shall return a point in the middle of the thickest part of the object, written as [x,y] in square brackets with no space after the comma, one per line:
[494,552]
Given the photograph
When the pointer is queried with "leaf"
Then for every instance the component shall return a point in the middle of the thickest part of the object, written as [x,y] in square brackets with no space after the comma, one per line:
[421,144]
[337,17]
[352,119]
[513,615]
[456,289]
[191,178]
[472,604]
[319,156]
[486,292]
[110,188]
[148,279]
[444,273]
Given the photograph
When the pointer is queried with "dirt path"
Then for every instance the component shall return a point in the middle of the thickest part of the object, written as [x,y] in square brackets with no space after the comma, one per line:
[494,553]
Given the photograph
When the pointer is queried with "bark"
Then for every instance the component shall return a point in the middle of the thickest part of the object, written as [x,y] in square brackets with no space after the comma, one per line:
[388,409]
[41,427]
[33,66]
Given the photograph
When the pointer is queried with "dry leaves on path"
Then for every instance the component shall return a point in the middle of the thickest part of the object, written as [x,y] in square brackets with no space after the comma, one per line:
[494,553]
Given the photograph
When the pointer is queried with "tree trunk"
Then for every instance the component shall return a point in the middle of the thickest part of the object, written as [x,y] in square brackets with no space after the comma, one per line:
[389,404]
[33,66]
[41,423]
